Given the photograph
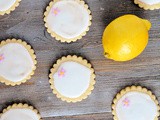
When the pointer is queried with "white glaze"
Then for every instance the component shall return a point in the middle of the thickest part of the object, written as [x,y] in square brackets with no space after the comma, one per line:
[6,4]
[71,20]
[150,2]
[17,63]
[75,81]
[20,114]
[140,107]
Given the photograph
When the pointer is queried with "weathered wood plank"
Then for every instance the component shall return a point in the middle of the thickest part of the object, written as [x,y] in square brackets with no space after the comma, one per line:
[26,22]
[101,116]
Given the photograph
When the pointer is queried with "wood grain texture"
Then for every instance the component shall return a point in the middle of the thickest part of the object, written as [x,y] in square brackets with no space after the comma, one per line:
[26,23]
[100,116]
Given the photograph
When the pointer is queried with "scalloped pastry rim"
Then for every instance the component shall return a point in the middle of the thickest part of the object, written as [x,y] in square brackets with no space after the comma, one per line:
[79,60]
[58,37]
[12,8]
[146,6]
[23,106]
[131,89]
[32,54]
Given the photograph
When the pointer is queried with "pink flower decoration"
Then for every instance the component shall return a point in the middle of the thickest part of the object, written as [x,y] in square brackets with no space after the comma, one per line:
[61,72]
[55,11]
[126,102]
[1,57]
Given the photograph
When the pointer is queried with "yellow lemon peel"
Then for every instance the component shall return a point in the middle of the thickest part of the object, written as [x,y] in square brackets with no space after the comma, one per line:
[125,38]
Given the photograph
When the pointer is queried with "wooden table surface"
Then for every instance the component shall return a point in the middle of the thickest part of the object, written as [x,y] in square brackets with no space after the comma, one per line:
[26,23]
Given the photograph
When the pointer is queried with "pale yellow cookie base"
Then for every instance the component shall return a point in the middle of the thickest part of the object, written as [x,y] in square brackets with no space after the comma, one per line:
[23,106]
[78,60]
[31,52]
[146,6]
[16,4]
[60,38]
[131,89]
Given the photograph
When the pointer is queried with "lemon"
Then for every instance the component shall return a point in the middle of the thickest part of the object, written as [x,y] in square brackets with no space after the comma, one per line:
[125,38]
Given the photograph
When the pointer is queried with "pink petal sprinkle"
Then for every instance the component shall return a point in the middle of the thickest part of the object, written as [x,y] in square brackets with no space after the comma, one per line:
[1,57]
[126,102]
[61,72]
[55,11]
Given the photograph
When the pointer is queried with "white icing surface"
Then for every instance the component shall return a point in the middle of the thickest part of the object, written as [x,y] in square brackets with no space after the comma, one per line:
[6,4]
[75,81]
[71,20]
[17,63]
[140,107]
[150,2]
[19,114]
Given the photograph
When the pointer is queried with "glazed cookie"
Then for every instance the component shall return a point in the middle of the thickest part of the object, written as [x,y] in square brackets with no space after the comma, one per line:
[20,112]
[17,62]
[67,20]
[135,103]
[72,78]
[148,4]
[7,6]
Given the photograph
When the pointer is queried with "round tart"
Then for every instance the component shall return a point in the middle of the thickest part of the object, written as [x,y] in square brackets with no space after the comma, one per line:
[7,6]
[148,4]
[17,62]
[135,103]
[20,112]
[67,20]
[72,78]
